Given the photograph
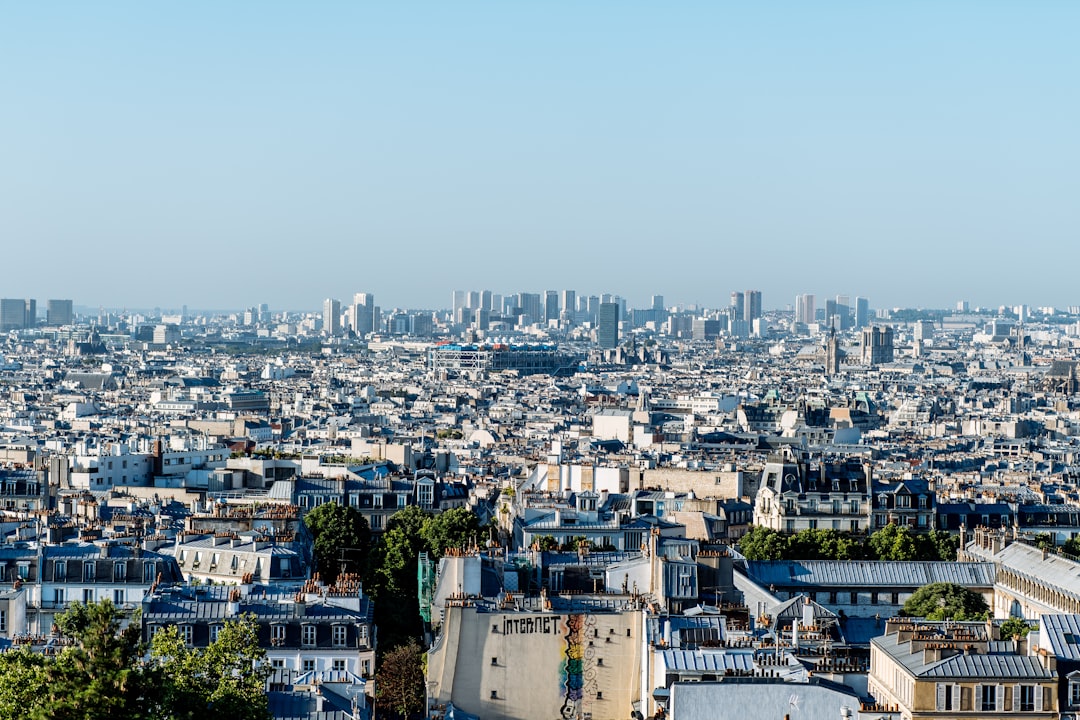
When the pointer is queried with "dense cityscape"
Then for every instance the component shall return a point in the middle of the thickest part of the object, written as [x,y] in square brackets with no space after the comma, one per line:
[541,504]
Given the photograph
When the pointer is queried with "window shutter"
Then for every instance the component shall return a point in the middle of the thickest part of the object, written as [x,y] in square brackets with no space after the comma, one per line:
[999,698]
[1039,690]
[955,698]
[976,698]
[965,698]
[1016,698]
[941,696]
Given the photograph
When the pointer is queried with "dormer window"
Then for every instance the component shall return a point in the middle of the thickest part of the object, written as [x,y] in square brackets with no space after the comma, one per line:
[1074,688]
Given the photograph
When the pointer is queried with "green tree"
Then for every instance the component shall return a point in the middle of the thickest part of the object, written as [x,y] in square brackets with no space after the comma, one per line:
[1045,541]
[893,542]
[1015,626]
[99,678]
[22,683]
[393,578]
[546,543]
[761,543]
[224,681]
[335,528]
[454,528]
[941,601]
[1071,546]
[399,682]
[937,545]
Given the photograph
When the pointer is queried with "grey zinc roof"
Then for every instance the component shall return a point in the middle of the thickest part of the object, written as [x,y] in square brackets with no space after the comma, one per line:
[868,573]
[750,699]
[707,661]
[1063,634]
[1054,571]
[988,666]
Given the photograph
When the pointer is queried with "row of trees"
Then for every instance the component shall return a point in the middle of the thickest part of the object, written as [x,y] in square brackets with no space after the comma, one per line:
[103,674]
[343,541]
[891,542]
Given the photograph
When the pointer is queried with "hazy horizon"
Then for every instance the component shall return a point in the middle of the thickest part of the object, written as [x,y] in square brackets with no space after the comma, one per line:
[229,154]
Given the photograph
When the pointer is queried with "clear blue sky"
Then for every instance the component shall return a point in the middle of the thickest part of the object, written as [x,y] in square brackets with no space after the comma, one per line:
[222,154]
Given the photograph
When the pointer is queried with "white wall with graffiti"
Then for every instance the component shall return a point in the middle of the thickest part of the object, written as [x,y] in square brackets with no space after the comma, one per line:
[537,665]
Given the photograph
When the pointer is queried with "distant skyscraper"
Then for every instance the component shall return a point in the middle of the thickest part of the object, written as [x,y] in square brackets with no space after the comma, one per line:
[485,299]
[331,317]
[751,305]
[363,314]
[459,301]
[607,325]
[569,305]
[738,305]
[657,302]
[12,314]
[862,312]
[532,307]
[592,307]
[551,305]
[60,312]
[843,311]
[804,309]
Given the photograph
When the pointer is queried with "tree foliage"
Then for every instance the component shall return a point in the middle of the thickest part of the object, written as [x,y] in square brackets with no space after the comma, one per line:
[399,683]
[22,683]
[454,528]
[892,542]
[224,681]
[335,528]
[941,601]
[1015,626]
[103,675]
[393,581]
[100,677]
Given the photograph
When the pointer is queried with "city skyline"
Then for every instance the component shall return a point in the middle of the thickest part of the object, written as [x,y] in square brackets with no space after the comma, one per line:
[196,154]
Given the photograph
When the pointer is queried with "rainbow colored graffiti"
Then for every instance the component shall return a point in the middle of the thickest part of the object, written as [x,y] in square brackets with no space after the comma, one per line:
[575,657]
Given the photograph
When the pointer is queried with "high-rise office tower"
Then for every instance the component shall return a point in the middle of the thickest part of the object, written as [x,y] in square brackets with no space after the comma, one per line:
[592,307]
[804,309]
[832,318]
[607,325]
[568,306]
[331,317]
[843,311]
[551,305]
[751,305]
[862,312]
[738,305]
[60,312]
[532,307]
[364,318]
[657,302]
[485,299]
[569,302]
[458,303]
[12,314]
